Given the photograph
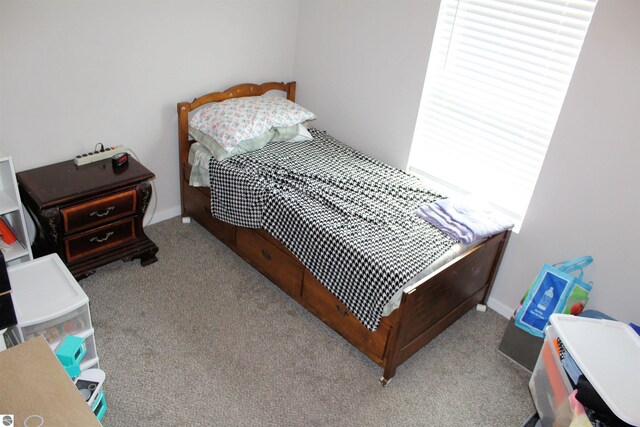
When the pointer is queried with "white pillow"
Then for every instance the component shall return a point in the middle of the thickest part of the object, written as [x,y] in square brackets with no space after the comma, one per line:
[235,120]
[297,133]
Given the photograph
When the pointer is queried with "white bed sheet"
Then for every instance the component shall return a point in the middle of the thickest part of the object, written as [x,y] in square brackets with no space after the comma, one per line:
[199,157]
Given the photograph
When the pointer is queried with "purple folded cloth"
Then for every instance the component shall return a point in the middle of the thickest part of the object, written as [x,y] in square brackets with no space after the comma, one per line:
[466,219]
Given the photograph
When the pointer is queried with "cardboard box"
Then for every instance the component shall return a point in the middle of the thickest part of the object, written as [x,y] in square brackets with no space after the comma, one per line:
[520,346]
[34,382]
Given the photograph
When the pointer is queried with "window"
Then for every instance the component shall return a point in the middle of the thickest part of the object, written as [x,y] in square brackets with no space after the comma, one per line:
[497,76]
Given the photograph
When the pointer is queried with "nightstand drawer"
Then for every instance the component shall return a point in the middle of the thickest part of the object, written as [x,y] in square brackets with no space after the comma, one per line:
[98,211]
[99,240]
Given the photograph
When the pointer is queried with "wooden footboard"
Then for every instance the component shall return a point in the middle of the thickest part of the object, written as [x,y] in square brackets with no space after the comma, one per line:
[429,307]
[426,308]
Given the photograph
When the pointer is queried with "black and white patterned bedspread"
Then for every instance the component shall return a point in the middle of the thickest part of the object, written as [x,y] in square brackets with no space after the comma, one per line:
[350,219]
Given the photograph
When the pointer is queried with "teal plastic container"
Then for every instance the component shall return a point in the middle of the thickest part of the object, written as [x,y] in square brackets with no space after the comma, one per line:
[100,406]
[71,350]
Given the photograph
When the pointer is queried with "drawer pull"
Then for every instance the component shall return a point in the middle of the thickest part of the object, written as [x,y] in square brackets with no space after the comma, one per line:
[342,311]
[266,254]
[104,239]
[101,214]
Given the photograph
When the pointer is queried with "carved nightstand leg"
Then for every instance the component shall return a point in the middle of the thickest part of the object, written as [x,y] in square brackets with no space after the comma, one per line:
[83,275]
[148,259]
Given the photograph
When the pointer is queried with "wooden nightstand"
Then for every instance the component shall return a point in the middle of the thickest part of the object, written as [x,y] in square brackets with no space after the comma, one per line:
[90,215]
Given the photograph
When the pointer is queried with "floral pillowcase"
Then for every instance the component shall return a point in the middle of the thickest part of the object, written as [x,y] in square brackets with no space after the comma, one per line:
[235,120]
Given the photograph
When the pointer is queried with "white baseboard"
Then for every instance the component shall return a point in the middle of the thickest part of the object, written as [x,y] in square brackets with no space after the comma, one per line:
[501,308]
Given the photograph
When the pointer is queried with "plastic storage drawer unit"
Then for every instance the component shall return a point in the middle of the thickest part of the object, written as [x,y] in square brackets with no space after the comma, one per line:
[550,386]
[605,351]
[49,302]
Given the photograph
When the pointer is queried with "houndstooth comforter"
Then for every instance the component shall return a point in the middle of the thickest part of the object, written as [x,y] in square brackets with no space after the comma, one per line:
[350,219]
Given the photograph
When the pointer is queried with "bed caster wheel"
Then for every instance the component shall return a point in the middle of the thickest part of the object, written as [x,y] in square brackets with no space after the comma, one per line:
[481,308]
[186,220]
[384,381]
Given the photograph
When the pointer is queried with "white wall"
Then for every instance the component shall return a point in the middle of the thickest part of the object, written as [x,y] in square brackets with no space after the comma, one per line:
[75,73]
[360,66]
[587,200]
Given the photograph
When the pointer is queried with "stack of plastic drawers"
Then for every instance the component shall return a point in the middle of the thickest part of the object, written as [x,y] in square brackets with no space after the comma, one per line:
[48,301]
[606,352]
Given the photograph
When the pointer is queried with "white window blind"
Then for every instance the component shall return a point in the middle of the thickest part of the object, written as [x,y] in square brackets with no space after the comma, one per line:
[497,76]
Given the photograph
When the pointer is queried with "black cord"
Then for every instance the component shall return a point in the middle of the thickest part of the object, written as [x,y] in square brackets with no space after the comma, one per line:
[101,147]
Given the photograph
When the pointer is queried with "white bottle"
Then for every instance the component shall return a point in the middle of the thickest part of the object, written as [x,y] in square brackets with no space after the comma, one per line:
[546,299]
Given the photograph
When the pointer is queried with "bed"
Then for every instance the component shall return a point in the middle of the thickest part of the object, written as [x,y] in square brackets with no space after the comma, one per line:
[425,306]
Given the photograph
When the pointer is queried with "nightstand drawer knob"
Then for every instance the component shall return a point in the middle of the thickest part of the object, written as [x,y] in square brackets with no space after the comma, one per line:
[101,214]
[104,239]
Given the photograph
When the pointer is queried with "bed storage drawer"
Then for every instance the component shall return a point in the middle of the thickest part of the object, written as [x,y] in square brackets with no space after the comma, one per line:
[321,302]
[271,261]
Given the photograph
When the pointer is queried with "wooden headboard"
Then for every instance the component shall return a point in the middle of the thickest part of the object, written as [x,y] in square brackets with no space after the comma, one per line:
[238,91]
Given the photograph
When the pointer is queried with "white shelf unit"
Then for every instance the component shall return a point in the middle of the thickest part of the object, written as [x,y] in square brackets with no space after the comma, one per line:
[48,301]
[12,213]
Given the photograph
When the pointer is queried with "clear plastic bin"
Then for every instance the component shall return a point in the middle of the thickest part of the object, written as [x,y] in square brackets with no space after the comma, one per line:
[49,302]
[89,363]
[90,344]
[550,386]
[606,352]
[72,323]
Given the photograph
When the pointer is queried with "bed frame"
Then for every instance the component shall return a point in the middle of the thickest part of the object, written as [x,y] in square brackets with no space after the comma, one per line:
[426,309]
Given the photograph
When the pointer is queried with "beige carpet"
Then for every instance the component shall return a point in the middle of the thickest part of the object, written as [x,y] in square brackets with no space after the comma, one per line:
[201,339]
